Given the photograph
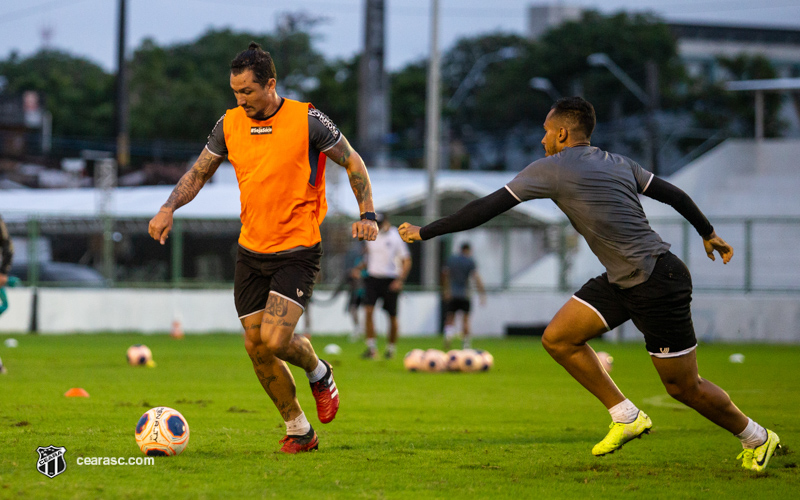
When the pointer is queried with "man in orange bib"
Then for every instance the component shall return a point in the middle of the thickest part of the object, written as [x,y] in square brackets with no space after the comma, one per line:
[278,148]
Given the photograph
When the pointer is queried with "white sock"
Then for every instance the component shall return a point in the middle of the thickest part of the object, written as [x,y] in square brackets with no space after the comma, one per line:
[753,435]
[449,332]
[317,373]
[390,348]
[624,413]
[298,426]
[371,344]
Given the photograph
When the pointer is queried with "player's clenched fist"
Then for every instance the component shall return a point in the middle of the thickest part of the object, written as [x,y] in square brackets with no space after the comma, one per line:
[409,232]
[365,230]
[160,225]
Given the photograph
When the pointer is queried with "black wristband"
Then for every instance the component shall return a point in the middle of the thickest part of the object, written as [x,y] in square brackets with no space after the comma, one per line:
[368,216]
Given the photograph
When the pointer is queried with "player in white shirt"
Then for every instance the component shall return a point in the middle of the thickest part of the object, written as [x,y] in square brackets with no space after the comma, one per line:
[388,262]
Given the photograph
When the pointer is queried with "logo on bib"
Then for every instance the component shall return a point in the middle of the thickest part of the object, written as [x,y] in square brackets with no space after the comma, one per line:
[260,130]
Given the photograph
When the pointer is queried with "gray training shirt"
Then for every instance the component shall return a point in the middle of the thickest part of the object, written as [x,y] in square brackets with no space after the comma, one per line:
[598,191]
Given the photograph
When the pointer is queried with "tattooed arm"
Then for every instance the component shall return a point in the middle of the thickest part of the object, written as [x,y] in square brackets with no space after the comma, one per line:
[343,154]
[184,192]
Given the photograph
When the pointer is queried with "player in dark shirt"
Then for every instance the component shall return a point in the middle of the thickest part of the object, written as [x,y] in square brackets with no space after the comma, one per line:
[6,253]
[644,282]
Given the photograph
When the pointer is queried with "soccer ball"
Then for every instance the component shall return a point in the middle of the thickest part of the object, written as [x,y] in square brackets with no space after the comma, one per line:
[434,360]
[139,354]
[606,360]
[162,431]
[485,360]
[471,361]
[413,360]
[453,360]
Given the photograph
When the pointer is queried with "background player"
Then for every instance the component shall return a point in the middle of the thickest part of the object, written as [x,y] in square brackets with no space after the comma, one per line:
[644,282]
[456,275]
[6,255]
[388,263]
[278,147]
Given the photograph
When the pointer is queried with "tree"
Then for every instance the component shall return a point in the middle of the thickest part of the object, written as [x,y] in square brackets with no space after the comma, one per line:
[179,92]
[77,92]
[336,95]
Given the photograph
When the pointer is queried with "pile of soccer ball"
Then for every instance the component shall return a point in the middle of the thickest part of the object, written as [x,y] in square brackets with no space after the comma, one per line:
[457,360]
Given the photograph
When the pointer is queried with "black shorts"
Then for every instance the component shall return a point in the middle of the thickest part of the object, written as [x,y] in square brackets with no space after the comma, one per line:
[660,307]
[356,294]
[378,288]
[458,304]
[289,274]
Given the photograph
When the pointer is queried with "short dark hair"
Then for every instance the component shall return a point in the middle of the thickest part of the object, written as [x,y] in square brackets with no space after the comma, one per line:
[577,110]
[256,60]
[465,246]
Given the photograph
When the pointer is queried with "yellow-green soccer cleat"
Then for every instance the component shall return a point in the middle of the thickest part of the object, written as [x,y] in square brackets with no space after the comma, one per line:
[762,454]
[746,456]
[622,433]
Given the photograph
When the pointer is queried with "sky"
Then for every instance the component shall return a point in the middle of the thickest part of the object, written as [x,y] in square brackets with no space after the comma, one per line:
[87,28]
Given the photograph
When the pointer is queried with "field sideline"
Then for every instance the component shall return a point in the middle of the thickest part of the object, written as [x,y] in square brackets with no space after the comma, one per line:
[523,430]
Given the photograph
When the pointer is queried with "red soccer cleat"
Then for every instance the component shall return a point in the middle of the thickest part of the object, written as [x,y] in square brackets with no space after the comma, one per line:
[299,444]
[326,395]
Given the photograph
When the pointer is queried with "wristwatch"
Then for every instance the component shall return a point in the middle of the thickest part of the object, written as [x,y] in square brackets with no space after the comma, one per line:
[368,216]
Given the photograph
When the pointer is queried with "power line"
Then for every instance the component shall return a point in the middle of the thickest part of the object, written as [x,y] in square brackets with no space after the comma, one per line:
[36,9]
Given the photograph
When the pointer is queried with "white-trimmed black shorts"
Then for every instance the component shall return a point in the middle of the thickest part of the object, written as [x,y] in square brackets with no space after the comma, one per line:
[660,307]
[290,274]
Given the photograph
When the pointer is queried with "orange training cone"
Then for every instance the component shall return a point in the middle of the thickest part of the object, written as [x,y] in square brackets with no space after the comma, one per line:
[76,392]
[177,330]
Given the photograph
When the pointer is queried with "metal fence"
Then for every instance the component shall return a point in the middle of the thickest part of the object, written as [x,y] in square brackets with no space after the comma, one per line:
[201,253]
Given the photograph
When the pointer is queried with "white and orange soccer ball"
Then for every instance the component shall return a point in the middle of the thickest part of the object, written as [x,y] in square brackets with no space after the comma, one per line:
[485,360]
[139,354]
[434,360]
[454,360]
[162,431]
[471,361]
[413,360]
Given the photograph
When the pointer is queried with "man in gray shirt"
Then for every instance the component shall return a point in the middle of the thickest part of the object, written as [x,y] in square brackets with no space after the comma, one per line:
[644,282]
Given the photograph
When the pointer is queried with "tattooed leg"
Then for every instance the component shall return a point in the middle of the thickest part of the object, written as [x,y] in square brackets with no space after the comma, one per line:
[277,333]
[274,375]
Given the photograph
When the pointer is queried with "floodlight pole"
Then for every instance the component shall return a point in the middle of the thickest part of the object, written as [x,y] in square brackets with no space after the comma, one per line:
[430,260]
[545,85]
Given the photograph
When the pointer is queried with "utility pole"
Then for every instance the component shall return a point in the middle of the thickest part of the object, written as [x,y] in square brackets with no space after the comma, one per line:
[373,102]
[122,130]
[430,260]
[653,98]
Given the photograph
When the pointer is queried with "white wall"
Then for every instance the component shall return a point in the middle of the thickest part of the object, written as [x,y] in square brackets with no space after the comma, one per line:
[717,316]
[17,317]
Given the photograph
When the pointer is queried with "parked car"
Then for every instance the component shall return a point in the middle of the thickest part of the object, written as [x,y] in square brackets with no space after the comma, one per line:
[60,273]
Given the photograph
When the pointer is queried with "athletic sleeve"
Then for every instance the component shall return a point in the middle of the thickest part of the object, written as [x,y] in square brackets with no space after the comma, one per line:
[642,176]
[537,180]
[216,139]
[323,134]
[472,215]
[663,191]
[6,249]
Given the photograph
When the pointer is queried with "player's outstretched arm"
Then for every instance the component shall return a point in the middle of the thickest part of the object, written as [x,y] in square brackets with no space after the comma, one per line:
[343,154]
[185,191]
[473,214]
[713,243]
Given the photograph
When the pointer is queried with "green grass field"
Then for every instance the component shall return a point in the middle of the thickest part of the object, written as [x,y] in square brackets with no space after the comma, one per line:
[523,430]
